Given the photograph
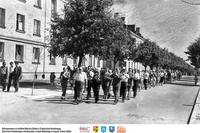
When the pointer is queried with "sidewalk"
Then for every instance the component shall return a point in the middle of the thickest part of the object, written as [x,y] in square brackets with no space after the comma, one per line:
[36,93]
[195,117]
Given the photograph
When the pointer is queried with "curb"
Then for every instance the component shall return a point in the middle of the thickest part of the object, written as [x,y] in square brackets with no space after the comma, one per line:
[195,113]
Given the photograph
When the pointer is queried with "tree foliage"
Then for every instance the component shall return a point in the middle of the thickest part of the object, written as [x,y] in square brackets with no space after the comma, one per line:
[150,54]
[81,28]
[193,52]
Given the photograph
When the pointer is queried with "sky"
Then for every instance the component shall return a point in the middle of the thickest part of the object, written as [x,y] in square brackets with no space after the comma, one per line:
[171,23]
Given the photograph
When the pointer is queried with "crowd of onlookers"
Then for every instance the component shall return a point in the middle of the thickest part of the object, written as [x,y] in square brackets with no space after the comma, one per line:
[9,75]
[122,83]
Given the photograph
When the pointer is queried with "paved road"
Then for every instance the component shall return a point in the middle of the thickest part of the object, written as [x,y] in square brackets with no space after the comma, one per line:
[171,103]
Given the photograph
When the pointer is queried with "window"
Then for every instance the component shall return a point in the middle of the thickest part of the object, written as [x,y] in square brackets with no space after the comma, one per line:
[53,7]
[20,23]
[36,55]
[90,60]
[36,31]
[1,51]
[98,62]
[75,61]
[2,17]
[52,59]
[64,60]
[19,53]
[37,4]
[83,61]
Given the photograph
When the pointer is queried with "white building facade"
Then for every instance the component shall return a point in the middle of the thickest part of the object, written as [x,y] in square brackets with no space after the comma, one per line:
[24,37]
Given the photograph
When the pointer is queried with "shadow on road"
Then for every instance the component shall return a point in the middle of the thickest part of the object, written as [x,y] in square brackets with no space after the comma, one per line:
[70,100]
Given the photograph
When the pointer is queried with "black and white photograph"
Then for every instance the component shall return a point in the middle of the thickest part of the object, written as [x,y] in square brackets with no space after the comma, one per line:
[100,62]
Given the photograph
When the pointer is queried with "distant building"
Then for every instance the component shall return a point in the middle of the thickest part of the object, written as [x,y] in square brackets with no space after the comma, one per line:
[24,37]
[135,33]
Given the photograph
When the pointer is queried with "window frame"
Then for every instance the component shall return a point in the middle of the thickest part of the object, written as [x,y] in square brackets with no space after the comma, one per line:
[23,23]
[53,8]
[52,60]
[3,15]
[38,22]
[22,60]
[98,62]
[65,60]
[3,45]
[33,61]
[39,6]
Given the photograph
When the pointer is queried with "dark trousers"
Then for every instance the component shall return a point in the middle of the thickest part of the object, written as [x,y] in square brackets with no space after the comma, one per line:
[135,87]
[106,90]
[64,88]
[10,78]
[16,84]
[145,83]
[96,92]
[78,90]
[3,82]
[123,90]
[116,89]
[89,88]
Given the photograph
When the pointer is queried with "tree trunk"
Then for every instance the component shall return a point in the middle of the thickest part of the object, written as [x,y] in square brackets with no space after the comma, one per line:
[80,60]
[115,63]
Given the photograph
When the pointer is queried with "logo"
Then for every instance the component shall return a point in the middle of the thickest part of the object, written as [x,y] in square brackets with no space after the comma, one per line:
[121,129]
[84,129]
[103,129]
[95,129]
[112,129]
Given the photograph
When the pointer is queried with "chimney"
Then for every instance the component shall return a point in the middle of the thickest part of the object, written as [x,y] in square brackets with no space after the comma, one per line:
[138,30]
[123,19]
[132,28]
[116,15]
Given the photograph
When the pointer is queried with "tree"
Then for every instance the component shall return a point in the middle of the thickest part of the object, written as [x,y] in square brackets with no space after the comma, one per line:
[81,29]
[118,47]
[148,54]
[193,52]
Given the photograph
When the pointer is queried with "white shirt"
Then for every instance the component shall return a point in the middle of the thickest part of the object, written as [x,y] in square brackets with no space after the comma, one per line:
[146,75]
[124,77]
[80,76]
[11,69]
[137,76]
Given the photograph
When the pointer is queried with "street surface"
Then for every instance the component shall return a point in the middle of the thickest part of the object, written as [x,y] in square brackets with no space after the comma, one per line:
[167,104]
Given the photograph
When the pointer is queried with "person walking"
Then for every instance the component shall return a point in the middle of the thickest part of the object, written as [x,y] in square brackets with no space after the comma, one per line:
[96,80]
[10,76]
[146,79]
[162,77]
[130,82]
[124,83]
[90,75]
[17,76]
[64,78]
[136,82]
[116,83]
[80,79]
[3,75]
[106,80]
